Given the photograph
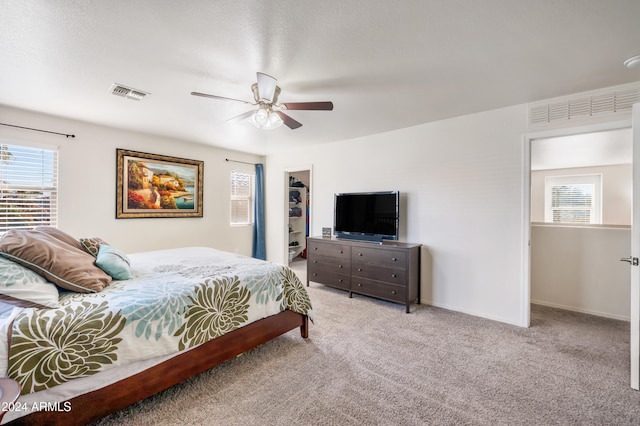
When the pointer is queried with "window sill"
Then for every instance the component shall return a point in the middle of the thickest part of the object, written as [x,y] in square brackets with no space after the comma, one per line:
[583,225]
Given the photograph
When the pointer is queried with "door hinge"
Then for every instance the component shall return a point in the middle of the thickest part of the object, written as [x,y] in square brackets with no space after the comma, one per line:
[632,260]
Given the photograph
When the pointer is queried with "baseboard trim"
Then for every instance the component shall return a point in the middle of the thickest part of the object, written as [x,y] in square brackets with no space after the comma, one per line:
[582,311]
[473,313]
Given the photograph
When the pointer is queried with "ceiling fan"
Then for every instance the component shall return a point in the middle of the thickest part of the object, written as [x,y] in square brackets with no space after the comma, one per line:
[269,114]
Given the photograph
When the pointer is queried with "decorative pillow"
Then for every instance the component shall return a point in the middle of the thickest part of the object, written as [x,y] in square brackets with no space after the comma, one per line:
[114,262]
[59,235]
[62,264]
[21,287]
[92,245]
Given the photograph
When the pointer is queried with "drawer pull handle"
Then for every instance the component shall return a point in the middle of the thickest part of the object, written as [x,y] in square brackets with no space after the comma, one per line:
[394,259]
[315,248]
[339,266]
[359,284]
[393,275]
[315,275]
[315,261]
[340,280]
[359,254]
[341,251]
[359,269]
[393,292]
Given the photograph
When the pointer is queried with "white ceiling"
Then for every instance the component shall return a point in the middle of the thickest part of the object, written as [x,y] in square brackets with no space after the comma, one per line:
[385,64]
[606,148]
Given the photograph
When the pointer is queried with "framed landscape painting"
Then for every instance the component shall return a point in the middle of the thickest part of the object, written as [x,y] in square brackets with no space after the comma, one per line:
[150,185]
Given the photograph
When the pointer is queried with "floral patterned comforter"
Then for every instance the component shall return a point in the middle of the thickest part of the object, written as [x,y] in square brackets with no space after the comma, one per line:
[176,300]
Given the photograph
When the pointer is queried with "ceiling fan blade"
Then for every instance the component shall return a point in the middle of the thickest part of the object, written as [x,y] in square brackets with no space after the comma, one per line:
[204,95]
[322,106]
[266,86]
[242,116]
[288,121]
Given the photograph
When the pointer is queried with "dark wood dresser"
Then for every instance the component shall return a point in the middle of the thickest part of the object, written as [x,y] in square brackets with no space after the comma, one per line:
[389,271]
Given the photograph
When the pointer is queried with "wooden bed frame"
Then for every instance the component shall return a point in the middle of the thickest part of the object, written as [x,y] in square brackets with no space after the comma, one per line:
[94,405]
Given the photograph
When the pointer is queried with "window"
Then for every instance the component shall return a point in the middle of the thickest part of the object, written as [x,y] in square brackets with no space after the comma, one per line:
[241,198]
[28,187]
[573,199]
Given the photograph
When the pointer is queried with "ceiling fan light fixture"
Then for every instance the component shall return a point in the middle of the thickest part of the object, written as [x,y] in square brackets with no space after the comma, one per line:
[261,117]
[274,120]
[270,114]
[265,118]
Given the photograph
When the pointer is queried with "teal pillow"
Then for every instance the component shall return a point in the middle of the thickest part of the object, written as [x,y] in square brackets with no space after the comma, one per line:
[114,262]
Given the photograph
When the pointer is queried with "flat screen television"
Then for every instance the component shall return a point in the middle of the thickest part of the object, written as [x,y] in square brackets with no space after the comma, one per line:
[370,216]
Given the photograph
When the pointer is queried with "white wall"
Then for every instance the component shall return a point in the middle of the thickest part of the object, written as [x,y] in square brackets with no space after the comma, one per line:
[461,185]
[87,167]
[616,191]
[461,182]
[577,268]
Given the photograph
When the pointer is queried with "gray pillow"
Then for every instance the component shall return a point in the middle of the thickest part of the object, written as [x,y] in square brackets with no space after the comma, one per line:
[60,235]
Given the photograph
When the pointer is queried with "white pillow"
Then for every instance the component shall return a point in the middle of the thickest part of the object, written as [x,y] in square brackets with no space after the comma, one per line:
[22,287]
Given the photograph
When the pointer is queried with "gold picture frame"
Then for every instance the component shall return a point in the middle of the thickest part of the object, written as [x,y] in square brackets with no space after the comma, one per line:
[152,185]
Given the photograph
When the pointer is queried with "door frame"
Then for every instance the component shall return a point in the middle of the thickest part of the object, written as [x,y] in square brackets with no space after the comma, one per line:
[525,290]
[287,171]
[635,251]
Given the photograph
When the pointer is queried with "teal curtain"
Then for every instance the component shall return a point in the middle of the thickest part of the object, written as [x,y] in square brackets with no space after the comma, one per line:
[259,250]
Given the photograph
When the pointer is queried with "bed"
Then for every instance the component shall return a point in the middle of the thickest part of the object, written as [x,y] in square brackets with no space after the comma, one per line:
[81,353]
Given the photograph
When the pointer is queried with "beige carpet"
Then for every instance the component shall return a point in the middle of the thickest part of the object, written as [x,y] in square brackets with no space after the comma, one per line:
[366,362]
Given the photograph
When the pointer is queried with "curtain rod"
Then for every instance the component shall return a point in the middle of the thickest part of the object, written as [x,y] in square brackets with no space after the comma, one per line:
[237,161]
[39,130]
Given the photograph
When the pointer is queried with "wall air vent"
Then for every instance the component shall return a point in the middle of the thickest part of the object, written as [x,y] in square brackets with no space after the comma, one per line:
[126,92]
[611,103]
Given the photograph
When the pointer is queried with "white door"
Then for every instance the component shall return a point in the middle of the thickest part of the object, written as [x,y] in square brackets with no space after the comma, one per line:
[635,254]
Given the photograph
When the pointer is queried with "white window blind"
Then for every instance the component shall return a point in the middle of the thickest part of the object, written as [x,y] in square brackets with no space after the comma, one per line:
[28,187]
[573,199]
[572,203]
[241,198]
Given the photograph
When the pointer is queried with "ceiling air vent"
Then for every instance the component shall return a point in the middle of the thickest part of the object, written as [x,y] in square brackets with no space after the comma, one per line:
[126,92]
[612,102]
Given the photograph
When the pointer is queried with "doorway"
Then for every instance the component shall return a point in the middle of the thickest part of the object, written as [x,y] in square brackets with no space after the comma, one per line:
[581,197]
[633,277]
[298,217]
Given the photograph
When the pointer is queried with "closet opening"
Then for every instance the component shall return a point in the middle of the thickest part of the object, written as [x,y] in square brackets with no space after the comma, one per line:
[298,215]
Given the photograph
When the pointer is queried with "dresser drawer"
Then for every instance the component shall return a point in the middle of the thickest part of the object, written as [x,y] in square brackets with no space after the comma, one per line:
[338,266]
[328,277]
[379,273]
[393,258]
[320,248]
[378,289]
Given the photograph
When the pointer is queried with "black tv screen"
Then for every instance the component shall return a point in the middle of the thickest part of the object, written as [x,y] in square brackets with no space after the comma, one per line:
[369,216]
